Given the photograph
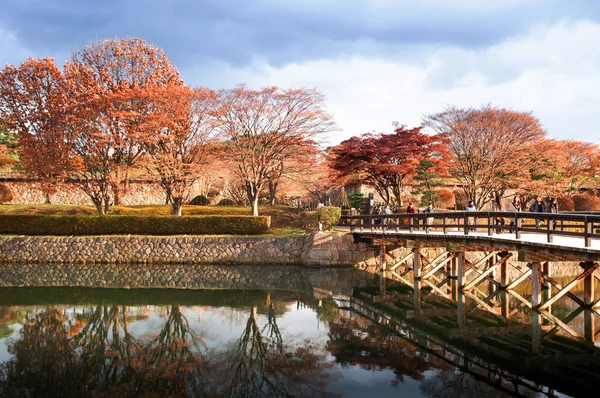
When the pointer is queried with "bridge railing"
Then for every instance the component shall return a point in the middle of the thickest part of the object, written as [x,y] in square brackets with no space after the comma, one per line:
[584,226]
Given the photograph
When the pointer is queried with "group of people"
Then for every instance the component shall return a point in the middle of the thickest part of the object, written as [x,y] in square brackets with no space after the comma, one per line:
[537,206]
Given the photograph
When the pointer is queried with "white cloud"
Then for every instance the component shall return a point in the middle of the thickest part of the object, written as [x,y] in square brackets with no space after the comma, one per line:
[553,71]
[11,50]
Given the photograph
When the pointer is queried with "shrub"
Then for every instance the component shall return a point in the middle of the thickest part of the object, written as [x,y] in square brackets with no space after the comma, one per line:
[5,193]
[200,200]
[136,225]
[565,203]
[329,216]
[586,202]
[226,202]
[446,199]
[309,220]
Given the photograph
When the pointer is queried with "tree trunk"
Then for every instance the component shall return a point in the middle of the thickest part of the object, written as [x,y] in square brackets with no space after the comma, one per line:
[272,192]
[47,195]
[99,206]
[116,195]
[254,205]
[176,205]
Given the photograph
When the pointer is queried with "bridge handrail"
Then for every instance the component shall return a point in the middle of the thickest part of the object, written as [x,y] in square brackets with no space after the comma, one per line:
[556,224]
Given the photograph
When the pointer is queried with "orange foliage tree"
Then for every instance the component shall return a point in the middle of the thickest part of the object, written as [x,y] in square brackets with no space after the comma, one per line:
[387,162]
[263,128]
[110,85]
[33,104]
[488,147]
[180,146]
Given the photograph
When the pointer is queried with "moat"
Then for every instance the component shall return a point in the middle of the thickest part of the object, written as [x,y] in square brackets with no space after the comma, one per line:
[312,332]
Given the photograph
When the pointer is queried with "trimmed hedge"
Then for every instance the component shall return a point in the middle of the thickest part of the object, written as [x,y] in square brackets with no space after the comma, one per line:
[446,200]
[135,225]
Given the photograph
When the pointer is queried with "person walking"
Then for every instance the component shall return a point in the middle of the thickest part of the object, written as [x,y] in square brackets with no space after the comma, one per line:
[538,206]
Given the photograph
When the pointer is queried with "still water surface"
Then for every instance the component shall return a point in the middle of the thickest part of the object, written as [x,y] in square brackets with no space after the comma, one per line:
[223,343]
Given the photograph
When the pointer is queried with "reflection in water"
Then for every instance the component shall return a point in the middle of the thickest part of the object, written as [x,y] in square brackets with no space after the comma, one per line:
[253,344]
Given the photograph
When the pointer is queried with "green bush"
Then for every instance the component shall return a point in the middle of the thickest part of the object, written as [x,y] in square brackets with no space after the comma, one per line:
[226,202]
[135,225]
[586,202]
[329,216]
[309,220]
[200,200]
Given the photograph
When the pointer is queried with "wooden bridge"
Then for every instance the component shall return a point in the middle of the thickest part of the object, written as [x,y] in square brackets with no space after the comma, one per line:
[503,238]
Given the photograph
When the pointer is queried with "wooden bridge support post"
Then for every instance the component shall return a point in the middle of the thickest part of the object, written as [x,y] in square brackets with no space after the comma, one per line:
[382,258]
[588,285]
[546,286]
[535,285]
[461,313]
[589,325]
[417,294]
[416,263]
[504,275]
[460,260]
[504,303]
[536,332]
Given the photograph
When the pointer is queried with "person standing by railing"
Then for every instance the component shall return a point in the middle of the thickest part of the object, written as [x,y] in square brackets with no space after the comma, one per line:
[553,205]
[538,206]
[411,209]
[516,204]
[429,209]
[469,208]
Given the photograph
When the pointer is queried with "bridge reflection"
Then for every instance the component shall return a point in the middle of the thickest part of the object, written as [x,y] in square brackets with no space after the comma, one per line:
[490,333]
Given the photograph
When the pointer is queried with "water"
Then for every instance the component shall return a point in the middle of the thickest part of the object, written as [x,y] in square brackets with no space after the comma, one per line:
[237,343]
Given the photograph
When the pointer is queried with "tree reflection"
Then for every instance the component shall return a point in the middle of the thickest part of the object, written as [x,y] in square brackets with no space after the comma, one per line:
[259,364]
[360,342]
[45,358]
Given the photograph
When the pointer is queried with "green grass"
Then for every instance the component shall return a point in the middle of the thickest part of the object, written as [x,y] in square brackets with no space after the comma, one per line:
[285,220]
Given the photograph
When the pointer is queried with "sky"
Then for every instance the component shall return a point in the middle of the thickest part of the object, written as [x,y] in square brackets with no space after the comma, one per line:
[376,61]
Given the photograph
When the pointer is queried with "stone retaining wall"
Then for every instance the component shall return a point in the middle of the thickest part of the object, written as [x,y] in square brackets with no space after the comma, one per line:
[311,250]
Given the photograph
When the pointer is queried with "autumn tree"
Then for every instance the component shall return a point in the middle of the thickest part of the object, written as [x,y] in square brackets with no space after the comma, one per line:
[488,147]
[264,127]
[180,146]
[33,105]
[110,85]
[577,162]
[387,162]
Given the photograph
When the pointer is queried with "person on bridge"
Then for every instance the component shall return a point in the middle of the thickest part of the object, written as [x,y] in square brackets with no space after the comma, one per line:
[553,205]
[411,208]
[516,204]
[470,207]
[538,206]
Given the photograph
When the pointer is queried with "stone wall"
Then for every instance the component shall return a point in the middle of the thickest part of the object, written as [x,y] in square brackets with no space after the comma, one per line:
[319,282]
[311,250]
[140,193]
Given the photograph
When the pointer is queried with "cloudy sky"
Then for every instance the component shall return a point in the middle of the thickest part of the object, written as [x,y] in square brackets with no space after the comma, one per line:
[377,61]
